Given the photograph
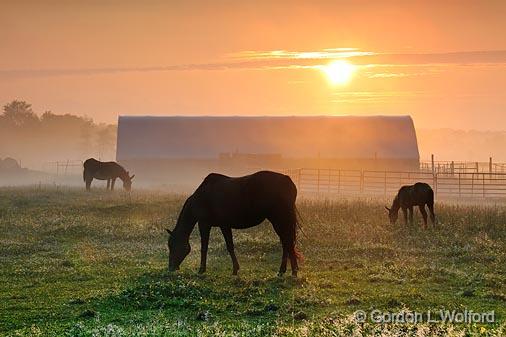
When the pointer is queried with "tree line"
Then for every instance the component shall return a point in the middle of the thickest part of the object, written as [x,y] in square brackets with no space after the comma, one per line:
[37,139]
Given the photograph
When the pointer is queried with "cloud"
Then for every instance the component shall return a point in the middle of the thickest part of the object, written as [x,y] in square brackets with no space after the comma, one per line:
[282,59]
[373,96]
[334,53]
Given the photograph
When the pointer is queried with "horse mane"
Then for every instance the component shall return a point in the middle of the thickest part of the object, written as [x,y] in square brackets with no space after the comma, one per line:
[181,224]
[396,203]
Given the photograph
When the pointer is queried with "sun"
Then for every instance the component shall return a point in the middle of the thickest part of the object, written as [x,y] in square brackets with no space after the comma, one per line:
[339,72]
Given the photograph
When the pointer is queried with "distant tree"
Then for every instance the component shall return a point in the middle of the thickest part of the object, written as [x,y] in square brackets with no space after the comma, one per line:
[19,114]
[106,137]
[85,142]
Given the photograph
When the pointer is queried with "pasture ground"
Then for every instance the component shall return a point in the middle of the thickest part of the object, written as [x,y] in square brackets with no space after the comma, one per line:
[94,264]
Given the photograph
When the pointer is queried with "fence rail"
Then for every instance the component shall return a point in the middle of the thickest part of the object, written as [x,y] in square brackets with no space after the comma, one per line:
[335,181]
[64,168]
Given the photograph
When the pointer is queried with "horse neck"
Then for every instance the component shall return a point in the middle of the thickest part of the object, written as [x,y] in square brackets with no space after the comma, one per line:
[123,175]
[396,204]
[186,221]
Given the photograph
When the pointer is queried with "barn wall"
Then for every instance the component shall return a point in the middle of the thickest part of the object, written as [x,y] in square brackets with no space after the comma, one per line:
[291,137]
[183,150]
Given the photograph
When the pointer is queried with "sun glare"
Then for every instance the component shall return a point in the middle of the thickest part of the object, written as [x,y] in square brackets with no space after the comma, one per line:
[339,72]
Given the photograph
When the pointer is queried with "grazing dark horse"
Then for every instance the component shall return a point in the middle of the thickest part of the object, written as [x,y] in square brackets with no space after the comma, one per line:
[419,194]
[237,203]
[109,171]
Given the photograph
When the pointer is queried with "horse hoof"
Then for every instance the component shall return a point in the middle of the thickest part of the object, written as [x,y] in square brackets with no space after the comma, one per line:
[202,271]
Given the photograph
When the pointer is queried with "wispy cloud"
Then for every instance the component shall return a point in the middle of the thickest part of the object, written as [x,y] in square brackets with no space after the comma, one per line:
[282,59]
[372,96]
[334,53]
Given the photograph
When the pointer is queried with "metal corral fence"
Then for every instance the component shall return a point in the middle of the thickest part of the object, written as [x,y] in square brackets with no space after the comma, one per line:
[329,182]
[454,167]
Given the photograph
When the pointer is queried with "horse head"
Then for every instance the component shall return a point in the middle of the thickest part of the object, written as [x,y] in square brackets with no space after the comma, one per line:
[178,250]
[127,181]
[392,215]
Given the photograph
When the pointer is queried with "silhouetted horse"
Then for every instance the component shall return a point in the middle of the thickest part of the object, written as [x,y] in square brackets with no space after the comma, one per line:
[237,203]
[419,194]
[109,171]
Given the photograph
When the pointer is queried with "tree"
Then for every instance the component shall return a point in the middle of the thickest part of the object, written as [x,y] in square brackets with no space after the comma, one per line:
[19,114]
[106,138]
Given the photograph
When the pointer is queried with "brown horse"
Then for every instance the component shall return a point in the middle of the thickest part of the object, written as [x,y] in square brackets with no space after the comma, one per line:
[237,203]
[109,171]
[419,194]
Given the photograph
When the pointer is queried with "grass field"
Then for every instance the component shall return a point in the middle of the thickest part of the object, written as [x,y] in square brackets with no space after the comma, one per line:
[94,264]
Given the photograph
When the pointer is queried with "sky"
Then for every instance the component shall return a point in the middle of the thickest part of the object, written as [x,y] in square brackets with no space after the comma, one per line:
[442,62]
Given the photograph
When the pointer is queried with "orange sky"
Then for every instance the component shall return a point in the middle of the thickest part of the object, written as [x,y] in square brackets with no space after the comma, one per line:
[443,62]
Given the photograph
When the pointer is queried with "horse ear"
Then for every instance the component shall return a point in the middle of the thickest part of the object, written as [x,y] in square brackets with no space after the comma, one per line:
[132,177]
[388,209]
[168,231]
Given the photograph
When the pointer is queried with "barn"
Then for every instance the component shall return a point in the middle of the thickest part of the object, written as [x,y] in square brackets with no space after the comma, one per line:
[180,147]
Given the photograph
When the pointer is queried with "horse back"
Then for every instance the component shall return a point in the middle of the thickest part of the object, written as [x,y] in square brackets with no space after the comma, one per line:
[244,201]
[417,194]
[102,170]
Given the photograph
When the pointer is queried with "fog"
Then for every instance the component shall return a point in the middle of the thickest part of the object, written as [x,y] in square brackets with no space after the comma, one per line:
[48,148]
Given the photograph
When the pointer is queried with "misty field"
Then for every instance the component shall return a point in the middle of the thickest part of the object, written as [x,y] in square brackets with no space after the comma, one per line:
[94,264]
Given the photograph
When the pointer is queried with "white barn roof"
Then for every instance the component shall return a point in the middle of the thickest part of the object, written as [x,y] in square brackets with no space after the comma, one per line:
[176,137]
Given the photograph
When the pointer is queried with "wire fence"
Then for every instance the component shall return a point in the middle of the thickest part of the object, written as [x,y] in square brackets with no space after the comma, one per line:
[463,182]
[65,167]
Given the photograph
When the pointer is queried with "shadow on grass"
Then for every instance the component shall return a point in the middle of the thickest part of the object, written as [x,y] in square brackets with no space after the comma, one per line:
[191,297]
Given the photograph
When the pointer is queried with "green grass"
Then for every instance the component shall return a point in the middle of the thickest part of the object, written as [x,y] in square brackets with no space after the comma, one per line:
[93,264]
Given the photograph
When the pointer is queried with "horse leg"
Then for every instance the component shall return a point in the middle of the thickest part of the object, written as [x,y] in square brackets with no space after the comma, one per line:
[410,209]
[284,260]
[424,214]
[432,215]
[229,241]
[88,183]
[204,230]
[293,258]
[284,245]
[113,181]
[287,236]
[108,184]
[405,214]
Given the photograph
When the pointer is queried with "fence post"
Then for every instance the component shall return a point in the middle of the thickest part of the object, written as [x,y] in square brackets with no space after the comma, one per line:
[460,193]
[452,168]
[490,165]
[472,185]
[432,161]
[318,183]
[483,185]
[434,183]
[328,184]
[385,181]
[339,182]
[477,168]
[361,181]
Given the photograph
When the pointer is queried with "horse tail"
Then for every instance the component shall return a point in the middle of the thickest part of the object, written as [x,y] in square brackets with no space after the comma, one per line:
[298,255]
[430,201]
[298,221]
[298,218]
[84,174]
